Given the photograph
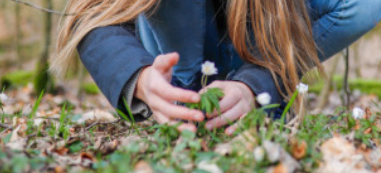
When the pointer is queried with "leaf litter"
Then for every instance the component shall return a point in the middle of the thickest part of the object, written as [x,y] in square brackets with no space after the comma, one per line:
[90,137]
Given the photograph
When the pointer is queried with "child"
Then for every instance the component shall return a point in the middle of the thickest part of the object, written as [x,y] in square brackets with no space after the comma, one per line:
[258,46]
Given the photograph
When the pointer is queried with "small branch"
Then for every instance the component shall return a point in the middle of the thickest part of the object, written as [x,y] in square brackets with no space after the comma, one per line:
[6,130]
[99,123]
[42,8]
[6,126]
[346,86]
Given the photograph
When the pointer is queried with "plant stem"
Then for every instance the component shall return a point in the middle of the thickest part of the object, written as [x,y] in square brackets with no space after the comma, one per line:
[287,108]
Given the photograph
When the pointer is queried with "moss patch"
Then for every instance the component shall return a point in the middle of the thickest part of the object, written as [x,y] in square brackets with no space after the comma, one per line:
[90,88]
[366,86]
[17,78]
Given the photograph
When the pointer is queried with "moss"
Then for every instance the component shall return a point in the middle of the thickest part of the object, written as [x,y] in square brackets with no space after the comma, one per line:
[366,86]
[17,78]
[90,88]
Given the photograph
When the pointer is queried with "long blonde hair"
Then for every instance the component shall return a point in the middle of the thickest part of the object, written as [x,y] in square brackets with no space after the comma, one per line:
[86,16]
[282,32]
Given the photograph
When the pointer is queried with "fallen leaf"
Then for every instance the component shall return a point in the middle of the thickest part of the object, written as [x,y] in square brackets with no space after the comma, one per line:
[96,116]
[298,149]
[86,155]
[15,136]
[209,167]
[59,169]
[61,151]
[368,113]
[339,155]
[280,168]
[368,130]
[143,167]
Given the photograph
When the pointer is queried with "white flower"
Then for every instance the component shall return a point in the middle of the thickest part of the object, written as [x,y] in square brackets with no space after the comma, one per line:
[208,68]
[358,113]
[302,88]
[259,154]
[3,97]
[264,99]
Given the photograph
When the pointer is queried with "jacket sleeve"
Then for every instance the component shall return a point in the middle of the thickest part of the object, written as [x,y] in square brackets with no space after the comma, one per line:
[114,56]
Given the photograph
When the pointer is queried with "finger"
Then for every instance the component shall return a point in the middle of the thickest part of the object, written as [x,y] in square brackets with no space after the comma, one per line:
[176,112]
[161,119]
[226,103]
[164,63]
[231,129]
[168,92]
[227,117]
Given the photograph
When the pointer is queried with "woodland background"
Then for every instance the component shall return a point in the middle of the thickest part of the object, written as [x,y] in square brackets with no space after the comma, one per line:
[27,38]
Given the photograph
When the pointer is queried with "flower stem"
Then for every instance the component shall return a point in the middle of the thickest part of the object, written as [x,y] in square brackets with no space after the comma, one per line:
[204,80]
[287,108]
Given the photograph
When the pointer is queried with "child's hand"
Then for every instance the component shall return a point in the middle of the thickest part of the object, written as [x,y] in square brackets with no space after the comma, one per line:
[154,88]
[238,100]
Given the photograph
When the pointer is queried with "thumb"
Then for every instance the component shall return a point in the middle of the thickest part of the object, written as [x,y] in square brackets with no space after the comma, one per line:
[164,63]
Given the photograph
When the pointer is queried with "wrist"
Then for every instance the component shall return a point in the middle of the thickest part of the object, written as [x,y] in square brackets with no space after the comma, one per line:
[139,91]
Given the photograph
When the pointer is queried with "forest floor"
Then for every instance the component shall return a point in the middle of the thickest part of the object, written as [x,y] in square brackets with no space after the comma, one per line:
[60,133]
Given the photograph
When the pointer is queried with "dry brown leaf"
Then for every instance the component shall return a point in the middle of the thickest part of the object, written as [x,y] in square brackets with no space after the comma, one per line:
[339,155]
[86,155]
[59,169]
[299,149]
[143,167]
[61,151]
[15,136]
[368,113]
[109,146]
[97,116]
[204,146]
[373,157]
[368,130]
[280,168]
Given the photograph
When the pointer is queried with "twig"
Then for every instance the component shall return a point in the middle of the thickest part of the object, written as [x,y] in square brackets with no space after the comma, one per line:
[6,126]
[346,87]
[43,9]
[6,130]
[98,123]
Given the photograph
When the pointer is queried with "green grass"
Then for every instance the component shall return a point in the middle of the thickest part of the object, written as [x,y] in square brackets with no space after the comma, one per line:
[366,86]
[165,149]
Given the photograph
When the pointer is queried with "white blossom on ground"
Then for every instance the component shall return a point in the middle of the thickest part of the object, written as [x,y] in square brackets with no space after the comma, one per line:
[208,68]
[358,113]
[264,99]
[3,97]
[302,88]
[259,154]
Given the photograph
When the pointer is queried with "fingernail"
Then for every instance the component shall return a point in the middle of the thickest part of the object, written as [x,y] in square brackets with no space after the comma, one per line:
[195,98]
[200,117]
[208,126]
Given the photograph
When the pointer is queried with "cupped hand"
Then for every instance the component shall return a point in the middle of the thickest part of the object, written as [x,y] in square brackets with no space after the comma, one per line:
[154,88]
[237,102]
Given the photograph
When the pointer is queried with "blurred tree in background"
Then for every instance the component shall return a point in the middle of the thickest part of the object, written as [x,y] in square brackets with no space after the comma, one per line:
[28,33]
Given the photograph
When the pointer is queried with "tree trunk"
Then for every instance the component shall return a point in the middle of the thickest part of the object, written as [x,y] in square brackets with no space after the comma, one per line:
[44,80]
[18,35]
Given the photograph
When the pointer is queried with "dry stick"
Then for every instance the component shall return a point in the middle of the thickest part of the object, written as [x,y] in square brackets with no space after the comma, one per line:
[97,122]
[43,9]
[6,126]
[346,87]
[323,97]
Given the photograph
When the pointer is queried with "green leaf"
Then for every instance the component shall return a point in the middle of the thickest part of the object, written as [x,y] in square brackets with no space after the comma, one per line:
[35,106]
[76,146]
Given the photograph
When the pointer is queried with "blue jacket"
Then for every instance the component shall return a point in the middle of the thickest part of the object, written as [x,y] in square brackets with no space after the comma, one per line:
[113,54]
